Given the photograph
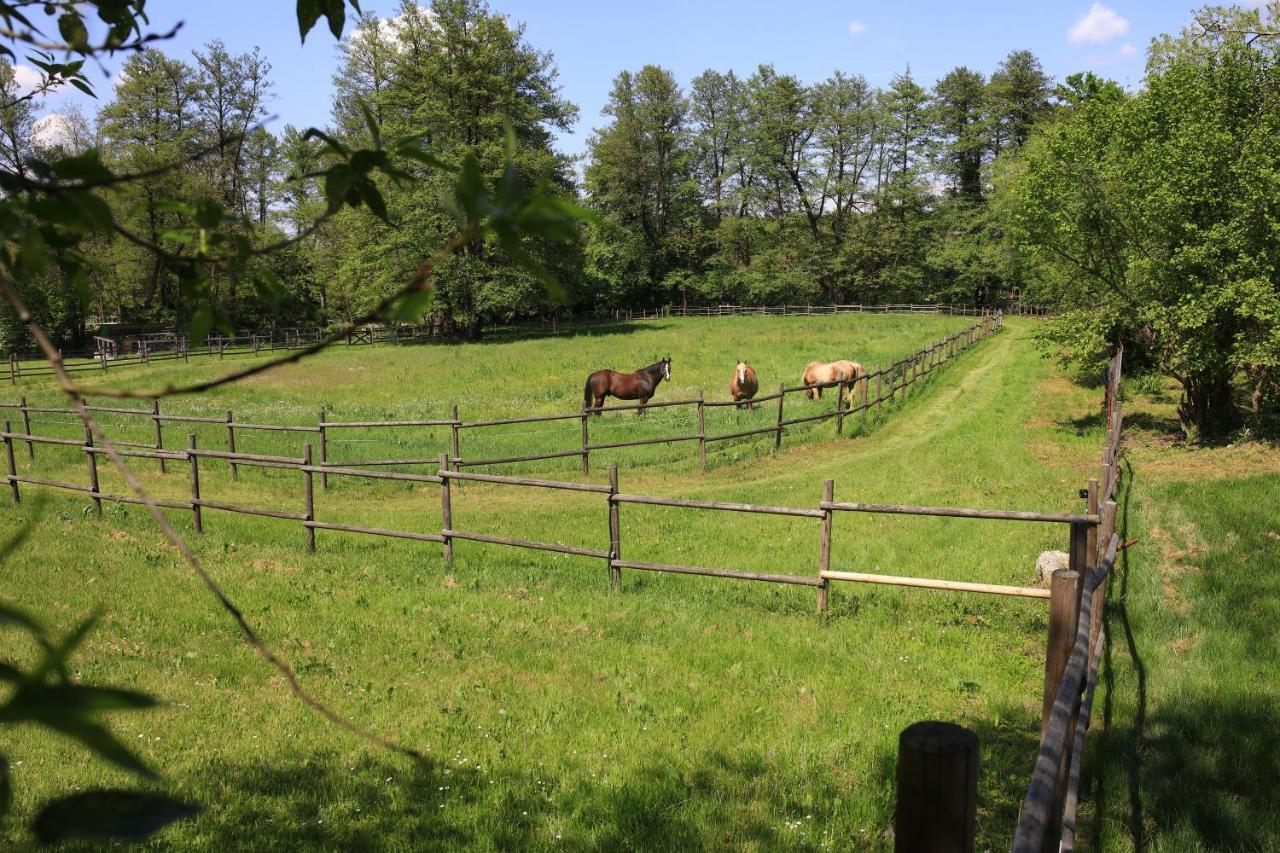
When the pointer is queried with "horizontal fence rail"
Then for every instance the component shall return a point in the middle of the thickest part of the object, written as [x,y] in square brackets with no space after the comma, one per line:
[854,396]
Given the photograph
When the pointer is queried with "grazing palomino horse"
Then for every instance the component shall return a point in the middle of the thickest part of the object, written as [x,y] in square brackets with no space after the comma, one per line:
[818,373]
[744,385]
[639,385]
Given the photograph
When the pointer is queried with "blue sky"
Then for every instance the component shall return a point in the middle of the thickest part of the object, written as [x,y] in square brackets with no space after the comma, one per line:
[592,41]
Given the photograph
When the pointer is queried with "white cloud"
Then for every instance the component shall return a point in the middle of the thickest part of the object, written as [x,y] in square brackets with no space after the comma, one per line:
[26,77]
[1128,50]
[857,28]
[1098,26]
[52,130]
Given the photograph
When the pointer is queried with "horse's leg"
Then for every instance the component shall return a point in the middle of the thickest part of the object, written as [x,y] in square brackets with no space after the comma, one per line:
[644,401]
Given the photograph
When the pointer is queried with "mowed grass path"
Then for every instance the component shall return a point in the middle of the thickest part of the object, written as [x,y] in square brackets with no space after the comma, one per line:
[679,712]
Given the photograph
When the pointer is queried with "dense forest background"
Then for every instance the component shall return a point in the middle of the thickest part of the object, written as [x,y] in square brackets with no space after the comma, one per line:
[1145,217]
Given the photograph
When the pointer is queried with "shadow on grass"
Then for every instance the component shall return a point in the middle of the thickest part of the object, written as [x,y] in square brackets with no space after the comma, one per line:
[509,334]
[373,804]
[1201,765]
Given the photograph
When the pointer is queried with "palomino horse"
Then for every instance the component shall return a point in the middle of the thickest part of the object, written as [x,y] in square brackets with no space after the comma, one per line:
[639,385]
[744,385]
[818,373]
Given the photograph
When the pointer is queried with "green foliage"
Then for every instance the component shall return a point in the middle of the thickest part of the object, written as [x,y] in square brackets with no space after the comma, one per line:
[1150,219]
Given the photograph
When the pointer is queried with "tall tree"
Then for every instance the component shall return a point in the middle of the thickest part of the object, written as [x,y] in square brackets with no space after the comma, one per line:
[640,173]
[960,100]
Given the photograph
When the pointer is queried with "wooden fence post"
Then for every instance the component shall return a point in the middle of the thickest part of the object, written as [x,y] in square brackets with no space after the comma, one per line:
[937,789]
[824,546]
[615,530]
[863,383]
[1079,547]
[1105,531]
[1064,607]
[13,468]
[308,498]
[879,386]
[586,443]
[324,453]
[454,429]
[782,395]
[702,430]
[1091,544]
[13,371]
[231,445]
[840,408]
[159,430]
[92,461]
[195,483]
[446,510]
[26,427]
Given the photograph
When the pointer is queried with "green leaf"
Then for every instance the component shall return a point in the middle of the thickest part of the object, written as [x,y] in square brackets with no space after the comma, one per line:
[208,213]
[373,198]
[83,167]
[72,28]
[126,815]
[370,122]
[411,308]
[308,14]
[201,323]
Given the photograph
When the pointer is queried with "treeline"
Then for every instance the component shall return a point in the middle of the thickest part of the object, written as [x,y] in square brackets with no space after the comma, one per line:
[1146,218]
[764,189]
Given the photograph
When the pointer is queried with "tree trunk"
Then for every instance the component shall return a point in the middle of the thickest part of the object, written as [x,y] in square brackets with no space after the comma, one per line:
[1206,410]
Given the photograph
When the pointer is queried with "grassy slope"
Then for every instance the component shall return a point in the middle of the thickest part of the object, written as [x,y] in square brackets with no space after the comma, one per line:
[681,712]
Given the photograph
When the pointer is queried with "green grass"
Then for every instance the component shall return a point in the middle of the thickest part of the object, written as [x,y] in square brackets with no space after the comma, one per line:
[533,376]
[679,712]
[1190,687]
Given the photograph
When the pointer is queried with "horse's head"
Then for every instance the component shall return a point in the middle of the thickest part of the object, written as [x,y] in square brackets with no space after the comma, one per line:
[742,371]
[666,368]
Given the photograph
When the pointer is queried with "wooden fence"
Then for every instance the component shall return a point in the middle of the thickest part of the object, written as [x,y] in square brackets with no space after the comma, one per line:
[890,382]
[1076,640]
[108,354]
[1076,596]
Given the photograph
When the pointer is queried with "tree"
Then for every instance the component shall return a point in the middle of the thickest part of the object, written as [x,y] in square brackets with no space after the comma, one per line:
[640,175]
[1151,220]
[1019,91]
[961,114]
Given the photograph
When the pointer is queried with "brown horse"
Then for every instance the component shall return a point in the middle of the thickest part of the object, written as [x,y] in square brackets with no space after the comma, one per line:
[818,373]
[639,385]
[744,385]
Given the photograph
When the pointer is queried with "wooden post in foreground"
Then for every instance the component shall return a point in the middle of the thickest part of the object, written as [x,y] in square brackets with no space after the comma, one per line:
[309,498]
[782,395]
[937,791]
[13,468]
[615,530]
[824,547]
[195,483]
[446,510]
[1064,608]
[586,443]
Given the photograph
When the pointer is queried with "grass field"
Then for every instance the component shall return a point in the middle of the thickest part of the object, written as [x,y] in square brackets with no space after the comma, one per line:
[678,712]
[518,379]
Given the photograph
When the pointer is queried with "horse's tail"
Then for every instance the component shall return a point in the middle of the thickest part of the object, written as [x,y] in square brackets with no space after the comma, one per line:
[586,395]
